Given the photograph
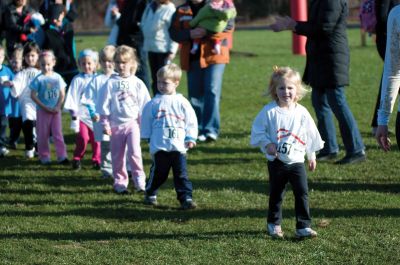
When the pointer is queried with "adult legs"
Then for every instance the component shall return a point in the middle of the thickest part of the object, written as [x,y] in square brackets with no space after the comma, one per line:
[196,92]
[156,61]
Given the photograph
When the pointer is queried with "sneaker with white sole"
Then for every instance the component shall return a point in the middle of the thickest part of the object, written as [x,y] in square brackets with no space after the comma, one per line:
[3,151]
[188,204]
[305,233]
[275,231]
[30,153]
[201,138]
[150,200]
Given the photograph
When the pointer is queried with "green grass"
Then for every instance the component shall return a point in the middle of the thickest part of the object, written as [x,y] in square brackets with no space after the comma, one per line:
[52,215]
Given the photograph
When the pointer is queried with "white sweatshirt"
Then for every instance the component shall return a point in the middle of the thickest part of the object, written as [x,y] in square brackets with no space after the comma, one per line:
[169,121]
[123,100]
[391,69]
[22,91]
[293,132]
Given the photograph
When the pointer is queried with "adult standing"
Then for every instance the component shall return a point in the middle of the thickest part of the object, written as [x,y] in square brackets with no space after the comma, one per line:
[382,9]
[390,80]
[205,69]
[3,4]
[160,49]
[130,34]
[327,72]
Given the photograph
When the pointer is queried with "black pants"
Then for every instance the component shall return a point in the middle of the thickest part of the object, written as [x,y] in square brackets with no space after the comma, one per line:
[15,125]
[156,61]
[279,175]
[28,128]
[162,162]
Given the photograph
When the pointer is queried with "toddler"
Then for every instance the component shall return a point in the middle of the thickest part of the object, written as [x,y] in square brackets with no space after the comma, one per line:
[81,121]
[48,92]
[213,17]
[5,101]
[20,90]
[123,98]
[285,132]
[90,100]
[170,123]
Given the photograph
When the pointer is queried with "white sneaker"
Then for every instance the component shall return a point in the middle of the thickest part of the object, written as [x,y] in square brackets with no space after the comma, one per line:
[305,233]
[212,137]
[275,231]
[201,138]
[30,153]
[4,151]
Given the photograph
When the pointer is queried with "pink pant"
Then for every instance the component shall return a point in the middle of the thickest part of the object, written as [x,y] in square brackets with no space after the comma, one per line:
[122,137]
[49,122]
[85,136]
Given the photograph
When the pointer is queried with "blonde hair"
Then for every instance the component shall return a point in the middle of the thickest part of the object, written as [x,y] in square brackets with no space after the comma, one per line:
[18,53]
[45,53]
[126,53]
[107,53]
[170,71]
[284,73]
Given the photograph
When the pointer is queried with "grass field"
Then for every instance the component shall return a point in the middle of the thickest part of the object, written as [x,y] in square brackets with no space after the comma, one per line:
[53,215]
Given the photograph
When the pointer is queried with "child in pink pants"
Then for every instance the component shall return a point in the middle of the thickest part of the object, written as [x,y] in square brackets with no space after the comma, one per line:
[123,97]
[48,91]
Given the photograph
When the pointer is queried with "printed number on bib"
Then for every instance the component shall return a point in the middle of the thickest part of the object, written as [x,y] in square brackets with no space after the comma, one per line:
[51,94]
[284,148]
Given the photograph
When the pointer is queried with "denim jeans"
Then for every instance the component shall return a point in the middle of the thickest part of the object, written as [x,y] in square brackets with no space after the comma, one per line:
[205,85]
[326,101]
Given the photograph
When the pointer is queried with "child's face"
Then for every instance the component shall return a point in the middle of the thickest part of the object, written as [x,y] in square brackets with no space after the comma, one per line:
[31,58]
[286,92]
[2,54]
[167,86]
[16,64]
[125,67]
[87,65]
[107,66]
[47,64]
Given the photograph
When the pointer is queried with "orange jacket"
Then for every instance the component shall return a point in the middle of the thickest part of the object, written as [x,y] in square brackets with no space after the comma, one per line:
[180,32]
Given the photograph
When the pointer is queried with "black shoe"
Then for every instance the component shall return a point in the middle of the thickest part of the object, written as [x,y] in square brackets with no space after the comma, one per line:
[12,145]
[352,159]
[65,161]
[76,164]
[326,157]
[188,204]
[96,166]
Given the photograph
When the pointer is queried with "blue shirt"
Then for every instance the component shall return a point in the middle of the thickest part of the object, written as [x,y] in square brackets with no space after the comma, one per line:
[5,95]
[48,88]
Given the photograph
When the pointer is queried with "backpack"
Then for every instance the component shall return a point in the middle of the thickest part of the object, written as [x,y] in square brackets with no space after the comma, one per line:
[367,16]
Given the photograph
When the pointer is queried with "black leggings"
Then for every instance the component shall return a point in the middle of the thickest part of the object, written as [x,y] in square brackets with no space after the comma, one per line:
[28,128]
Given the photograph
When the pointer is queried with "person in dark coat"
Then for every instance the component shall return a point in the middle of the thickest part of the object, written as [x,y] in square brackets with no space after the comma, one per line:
[327,72]
[382,9]
[130,34]
[3,5]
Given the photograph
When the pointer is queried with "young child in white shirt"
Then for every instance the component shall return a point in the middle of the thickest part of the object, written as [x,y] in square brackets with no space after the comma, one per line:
[91,100]
[81,121]
[124,96]
[170,123]
[285,132]
[22,91]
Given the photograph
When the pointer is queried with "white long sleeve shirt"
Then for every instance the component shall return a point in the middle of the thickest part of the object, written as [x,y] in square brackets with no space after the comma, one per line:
[22,91]
[123,100]
[293,131]
[391,69]
[73,100]
[155,25]
[169,121]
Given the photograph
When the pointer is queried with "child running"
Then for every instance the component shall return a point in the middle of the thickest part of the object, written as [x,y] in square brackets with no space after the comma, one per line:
[21,90]
[90,100]
[170,123]
[124,97]
[81,122]
[48,92]
[285,131]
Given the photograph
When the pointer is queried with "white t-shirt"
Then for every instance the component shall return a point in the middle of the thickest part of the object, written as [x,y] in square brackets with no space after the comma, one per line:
[169,121]
[22,91]
[123,100]
[293,131]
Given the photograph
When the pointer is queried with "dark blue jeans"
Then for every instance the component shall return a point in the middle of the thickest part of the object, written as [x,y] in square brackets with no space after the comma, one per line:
[156,61]
[162,163]
[279,175]
[205,85]
[326,101]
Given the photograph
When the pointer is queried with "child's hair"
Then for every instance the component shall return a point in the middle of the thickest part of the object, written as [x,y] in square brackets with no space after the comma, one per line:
[282,73]
[17,52]
[31,47]
[127,53]
[45,53]
[107,53]
[170,71]
[89,53]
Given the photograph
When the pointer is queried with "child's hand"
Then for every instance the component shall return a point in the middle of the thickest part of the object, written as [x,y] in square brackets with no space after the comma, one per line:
[312,164]
[190,145]
[107,132]
[7,83]
[95,118]
[271,149]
